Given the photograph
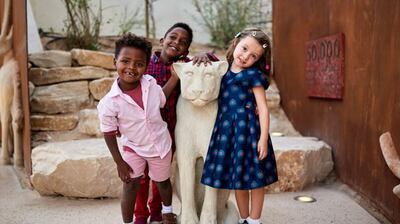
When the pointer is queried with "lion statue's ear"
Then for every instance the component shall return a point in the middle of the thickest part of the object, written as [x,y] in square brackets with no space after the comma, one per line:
[222,67]
[178,68]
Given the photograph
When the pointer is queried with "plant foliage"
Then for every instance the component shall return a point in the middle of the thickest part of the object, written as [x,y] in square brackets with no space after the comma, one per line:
[225,18]
[82,24]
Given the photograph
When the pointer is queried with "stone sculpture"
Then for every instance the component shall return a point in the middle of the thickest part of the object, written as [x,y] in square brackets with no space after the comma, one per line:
[196,113]
[10,97]
[391,157]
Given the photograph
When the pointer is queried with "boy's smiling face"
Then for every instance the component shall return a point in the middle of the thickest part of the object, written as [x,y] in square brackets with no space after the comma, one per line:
[131,65]
[175,44]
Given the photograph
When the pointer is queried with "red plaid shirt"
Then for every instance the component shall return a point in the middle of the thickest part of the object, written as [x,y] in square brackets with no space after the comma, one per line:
[162,72]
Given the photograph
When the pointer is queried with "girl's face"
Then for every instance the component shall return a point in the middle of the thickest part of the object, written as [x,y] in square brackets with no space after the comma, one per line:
[130,65]
[246,53]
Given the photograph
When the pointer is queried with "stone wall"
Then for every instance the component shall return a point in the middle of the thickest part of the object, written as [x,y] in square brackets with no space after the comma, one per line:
[65,88]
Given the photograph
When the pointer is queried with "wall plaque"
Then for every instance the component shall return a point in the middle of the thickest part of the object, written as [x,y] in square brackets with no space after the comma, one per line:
[325,67]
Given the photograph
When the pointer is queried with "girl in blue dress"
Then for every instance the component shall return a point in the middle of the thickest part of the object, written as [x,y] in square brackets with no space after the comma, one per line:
[240,155]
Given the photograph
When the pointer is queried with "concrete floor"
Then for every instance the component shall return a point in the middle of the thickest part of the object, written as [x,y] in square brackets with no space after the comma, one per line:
[24,206]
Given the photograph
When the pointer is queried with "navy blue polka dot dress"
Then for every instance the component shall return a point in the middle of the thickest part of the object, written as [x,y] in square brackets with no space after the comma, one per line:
[232,160]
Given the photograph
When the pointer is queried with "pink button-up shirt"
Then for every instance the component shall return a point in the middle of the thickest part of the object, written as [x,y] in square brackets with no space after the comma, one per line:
[142,130]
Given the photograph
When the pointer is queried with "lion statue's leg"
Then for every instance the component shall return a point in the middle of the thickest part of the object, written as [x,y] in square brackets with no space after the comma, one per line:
[17,137]
[209,210]
[187,184]
[5,134]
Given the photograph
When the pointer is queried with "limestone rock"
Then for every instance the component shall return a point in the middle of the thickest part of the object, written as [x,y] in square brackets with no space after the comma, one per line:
[114,74]
[51,59]
[43,122]
[301,161]
[273,97]
[89,122]
[42,137]
[31,88]
[94,58]
[81,168]
[43,76]
[100,87]
[60,98]
[279,123]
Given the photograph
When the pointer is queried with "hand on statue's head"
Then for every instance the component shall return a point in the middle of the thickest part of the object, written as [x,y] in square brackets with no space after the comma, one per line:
[201,58]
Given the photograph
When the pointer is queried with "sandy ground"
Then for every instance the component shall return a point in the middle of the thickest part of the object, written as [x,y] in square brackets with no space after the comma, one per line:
[22,205]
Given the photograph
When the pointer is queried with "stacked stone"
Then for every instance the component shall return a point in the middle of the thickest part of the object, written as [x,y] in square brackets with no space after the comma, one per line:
[66,87]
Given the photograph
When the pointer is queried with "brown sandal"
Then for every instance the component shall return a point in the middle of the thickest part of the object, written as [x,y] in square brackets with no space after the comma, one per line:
[169,218]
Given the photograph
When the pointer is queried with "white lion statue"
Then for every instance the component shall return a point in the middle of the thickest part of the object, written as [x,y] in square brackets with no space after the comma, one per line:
[196,113]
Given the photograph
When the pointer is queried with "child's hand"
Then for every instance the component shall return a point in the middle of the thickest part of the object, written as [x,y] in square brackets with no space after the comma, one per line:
[201,58]
[173,73]
[124,171]
[262,149]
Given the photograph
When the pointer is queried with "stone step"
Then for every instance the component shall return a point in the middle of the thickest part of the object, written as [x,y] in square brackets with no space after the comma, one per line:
[44,76]
[85,168]
[301,161]
[80,168]
[51,59]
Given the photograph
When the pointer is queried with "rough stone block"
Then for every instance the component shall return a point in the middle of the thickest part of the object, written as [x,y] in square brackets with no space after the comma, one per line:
[42,76]
[81,168]
[94,58]
[51,59]
[60,98]
[301,161]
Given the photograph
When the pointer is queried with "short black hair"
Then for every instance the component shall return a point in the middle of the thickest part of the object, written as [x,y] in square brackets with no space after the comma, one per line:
[131,40]
[183,26]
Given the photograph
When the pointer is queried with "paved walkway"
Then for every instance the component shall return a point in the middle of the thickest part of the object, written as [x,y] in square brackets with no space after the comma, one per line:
[24,206]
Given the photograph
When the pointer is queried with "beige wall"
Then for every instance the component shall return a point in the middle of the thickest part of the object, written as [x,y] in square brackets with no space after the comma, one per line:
[50,14]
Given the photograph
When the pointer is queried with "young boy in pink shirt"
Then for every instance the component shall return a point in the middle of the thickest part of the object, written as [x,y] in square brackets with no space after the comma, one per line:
[132,108]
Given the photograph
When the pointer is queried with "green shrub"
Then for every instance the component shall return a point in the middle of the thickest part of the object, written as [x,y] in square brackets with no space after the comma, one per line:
[82,25]
[225,18]
[129,20]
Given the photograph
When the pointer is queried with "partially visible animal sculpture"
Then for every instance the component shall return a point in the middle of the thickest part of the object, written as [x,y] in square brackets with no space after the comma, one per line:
[196,113]
[10,97]
[6,32]
[391,157]
[10,111]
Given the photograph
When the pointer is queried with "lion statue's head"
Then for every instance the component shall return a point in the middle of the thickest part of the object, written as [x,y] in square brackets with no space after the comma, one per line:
[200,84]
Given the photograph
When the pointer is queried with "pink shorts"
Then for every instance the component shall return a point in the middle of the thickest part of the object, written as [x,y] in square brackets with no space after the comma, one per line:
[159,169]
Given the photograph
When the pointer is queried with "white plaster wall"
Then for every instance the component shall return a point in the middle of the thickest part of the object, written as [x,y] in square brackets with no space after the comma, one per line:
[50,14]
[34,44]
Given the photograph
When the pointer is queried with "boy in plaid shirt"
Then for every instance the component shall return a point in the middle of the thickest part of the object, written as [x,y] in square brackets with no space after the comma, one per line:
[175,47]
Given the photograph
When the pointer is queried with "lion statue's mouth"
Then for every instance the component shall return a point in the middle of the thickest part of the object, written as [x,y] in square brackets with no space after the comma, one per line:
[199,102]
